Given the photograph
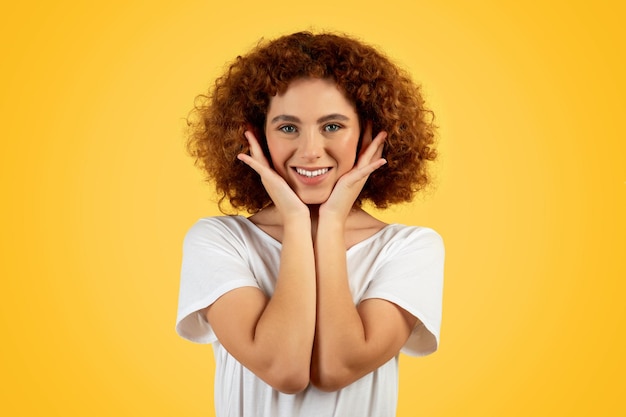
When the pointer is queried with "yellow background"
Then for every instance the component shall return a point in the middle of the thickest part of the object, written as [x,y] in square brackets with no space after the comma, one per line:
[97,193]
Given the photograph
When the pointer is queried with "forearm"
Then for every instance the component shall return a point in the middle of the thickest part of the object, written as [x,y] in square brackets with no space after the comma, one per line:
[285,330]
[340,337]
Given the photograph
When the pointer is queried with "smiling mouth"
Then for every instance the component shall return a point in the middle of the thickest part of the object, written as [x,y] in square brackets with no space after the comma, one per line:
[312,174]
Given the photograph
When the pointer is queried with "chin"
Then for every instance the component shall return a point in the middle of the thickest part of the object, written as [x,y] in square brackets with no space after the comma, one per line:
[312,200]
[316,202]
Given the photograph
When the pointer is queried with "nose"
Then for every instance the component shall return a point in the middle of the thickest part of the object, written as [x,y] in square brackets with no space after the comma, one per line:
[311,145]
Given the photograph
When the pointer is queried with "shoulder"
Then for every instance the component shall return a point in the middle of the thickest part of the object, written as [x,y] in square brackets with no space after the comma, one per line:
[230,233]
[216,229]
[216,224]
[402,240]
[411,235]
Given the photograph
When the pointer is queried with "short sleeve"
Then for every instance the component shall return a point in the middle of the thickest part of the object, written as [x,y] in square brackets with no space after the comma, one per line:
[215,261]
[412,278]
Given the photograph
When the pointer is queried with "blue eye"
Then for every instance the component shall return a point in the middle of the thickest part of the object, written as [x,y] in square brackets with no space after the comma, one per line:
[332,127]
[287,129]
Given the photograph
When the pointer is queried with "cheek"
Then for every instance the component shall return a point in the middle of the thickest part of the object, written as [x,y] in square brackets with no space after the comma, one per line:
[277,156]
[272,149]
[348,152]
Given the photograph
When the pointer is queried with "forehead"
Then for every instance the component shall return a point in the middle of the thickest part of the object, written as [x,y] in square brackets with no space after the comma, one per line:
[311,96]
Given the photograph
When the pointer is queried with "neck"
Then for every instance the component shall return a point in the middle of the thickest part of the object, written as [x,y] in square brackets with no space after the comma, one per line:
[314,209]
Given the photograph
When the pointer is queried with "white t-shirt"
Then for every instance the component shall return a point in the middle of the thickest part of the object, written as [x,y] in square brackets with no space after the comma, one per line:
[401,264]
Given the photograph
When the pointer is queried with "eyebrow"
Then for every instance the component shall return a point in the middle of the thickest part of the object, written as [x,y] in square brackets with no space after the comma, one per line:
[294,119]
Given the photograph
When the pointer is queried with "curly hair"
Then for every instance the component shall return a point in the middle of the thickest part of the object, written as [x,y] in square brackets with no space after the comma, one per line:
[381,92]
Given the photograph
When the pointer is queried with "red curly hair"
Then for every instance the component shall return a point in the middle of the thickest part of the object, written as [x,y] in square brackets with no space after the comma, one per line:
[381,92]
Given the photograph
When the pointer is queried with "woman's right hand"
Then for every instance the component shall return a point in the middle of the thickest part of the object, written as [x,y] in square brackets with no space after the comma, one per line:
[248,322]
[284,198]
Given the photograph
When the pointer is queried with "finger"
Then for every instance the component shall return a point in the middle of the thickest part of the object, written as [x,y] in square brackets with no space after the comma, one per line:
[374,151]
[380,138]
[256,159]
[251,162]
[365,171]
[359,175]
[255,147]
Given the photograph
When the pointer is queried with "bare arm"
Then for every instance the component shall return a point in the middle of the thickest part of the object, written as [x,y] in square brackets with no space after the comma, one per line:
[274,337]
[350,341]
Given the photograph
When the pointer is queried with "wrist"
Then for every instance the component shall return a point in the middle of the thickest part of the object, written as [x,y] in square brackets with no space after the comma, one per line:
[299,221]
[331,224]
[333,215]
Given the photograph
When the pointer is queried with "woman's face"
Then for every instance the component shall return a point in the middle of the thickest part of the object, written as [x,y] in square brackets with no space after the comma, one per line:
[312,133]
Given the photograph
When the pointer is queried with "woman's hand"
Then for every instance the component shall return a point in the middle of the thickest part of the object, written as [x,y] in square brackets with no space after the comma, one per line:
[247,322]
[283,197]
[349,186]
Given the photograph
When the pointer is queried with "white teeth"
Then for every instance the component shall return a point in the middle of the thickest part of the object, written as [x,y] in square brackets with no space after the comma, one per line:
[311,174]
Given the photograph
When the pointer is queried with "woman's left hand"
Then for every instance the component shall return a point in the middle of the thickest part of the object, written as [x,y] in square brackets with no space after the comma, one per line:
[349,186]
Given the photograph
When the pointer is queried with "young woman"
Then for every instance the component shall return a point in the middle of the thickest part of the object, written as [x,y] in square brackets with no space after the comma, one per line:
[309,301]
